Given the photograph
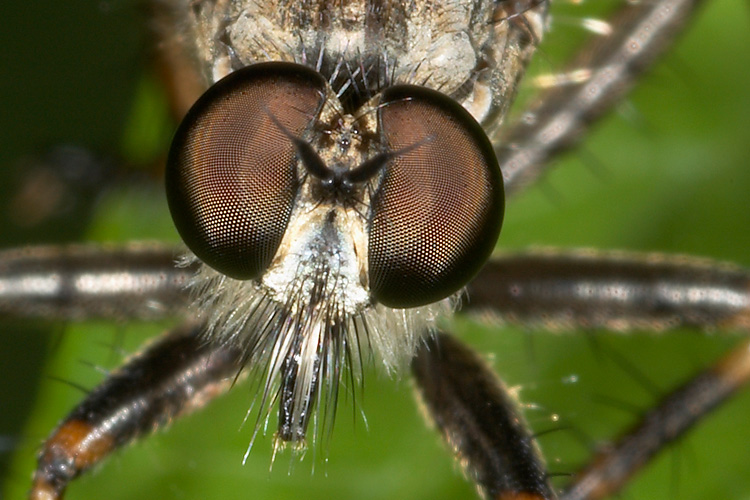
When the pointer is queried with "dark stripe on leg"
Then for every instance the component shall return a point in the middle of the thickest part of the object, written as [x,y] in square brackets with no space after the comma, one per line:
[135,281]
[556,290]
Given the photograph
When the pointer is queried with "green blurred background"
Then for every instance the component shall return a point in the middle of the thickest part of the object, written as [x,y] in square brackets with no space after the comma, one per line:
[668,173]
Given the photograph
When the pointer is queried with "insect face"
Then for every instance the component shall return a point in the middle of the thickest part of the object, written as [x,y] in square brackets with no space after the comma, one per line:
[672,195]
[316,246]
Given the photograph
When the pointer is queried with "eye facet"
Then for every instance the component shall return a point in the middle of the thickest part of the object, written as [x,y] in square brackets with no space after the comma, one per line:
[437,212]
[231,173]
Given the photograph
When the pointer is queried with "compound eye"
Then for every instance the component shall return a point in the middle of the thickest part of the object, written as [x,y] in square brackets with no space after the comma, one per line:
[437,212]
[231,173]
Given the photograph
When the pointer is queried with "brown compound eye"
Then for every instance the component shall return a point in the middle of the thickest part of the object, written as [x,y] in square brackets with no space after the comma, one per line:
[231,173]
[437,212]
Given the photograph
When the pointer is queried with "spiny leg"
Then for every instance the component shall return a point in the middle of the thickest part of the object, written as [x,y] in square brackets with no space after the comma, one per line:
[619,291]
[173,377]
[675,415]
[479,420]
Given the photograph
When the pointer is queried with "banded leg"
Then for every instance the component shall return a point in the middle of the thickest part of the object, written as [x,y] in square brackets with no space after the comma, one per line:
[478,419]
[175,376]
[137,281]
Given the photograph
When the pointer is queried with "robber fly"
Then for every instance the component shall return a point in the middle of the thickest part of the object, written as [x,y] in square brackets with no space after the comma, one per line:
[554,233]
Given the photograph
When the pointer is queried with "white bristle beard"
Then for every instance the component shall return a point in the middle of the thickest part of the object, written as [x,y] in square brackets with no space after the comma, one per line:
[309,336]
